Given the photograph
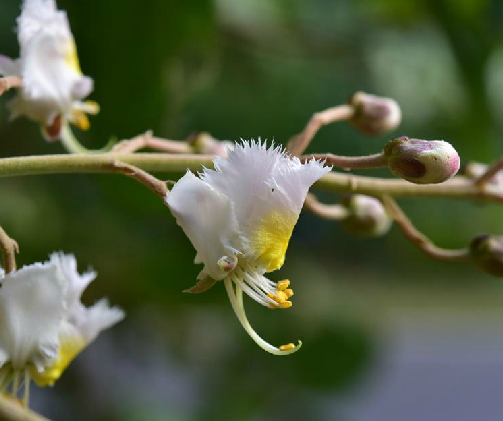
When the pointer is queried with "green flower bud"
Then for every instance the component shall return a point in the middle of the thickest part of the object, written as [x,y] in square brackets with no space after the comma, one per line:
[487,253]
[422,161]
[374,115]
[366,216]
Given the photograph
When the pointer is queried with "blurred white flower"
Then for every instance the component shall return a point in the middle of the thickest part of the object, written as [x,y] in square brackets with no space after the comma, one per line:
[53,85]
[240,217]
[43,324]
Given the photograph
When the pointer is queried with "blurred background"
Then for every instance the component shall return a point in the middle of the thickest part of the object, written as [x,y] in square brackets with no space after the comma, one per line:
[389,335]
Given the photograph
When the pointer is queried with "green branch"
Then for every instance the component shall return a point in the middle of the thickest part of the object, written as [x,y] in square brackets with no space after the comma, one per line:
[458,187]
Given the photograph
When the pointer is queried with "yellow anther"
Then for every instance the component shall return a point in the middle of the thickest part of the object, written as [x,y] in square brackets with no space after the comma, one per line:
[288,292]
[91,107]
[284,284]
[79,118]
[287,347]
[281,296]
[285,304]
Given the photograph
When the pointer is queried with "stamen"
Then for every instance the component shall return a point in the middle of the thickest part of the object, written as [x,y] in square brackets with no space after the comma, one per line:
[26,398]
[261,290]
[5,378]
[236,299]
[15,384]
[79,118]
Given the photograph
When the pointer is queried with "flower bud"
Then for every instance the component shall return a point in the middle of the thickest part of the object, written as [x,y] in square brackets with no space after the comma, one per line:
[422,161]
[374,115]
[366,216]
[487,253]
[204,143]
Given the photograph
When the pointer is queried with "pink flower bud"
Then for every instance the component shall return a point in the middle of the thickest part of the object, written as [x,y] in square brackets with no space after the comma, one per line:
[366,216]
[422,161]
[374,115]
[487,253]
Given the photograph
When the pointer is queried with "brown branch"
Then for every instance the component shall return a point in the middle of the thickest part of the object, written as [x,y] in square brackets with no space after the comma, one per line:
[377,160]
[420,240]
[148,141]
[10,410]
[298,143]
[331,212]
[154,184]
[9,250]
[491,172]
[9,82]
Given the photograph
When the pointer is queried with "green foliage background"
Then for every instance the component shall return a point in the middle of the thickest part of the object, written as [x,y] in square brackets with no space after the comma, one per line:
[249,69]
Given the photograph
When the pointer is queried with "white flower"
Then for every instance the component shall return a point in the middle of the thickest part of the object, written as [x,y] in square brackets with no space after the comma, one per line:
[43,324]
[52,83]
[240,217]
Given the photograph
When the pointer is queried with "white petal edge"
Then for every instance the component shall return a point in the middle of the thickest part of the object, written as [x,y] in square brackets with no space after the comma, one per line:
[97,318]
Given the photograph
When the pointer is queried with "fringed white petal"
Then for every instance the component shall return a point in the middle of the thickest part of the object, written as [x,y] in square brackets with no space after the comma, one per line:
[291,183]
[76,283]
[89,322]
[97,318]
[31,310]
[268,189]
[207,217]
[41,15]
[261,180]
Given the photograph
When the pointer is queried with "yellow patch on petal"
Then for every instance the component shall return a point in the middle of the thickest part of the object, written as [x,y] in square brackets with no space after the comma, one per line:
[271,239]
[68,350]
[72,59]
